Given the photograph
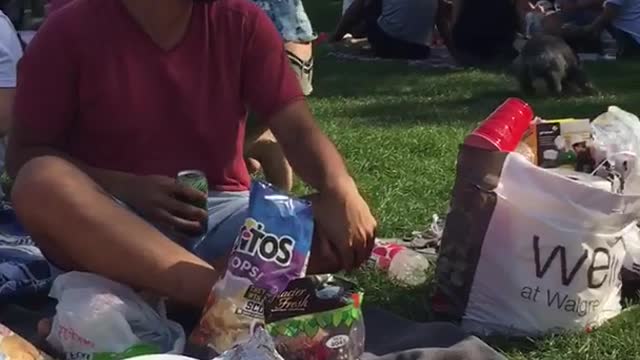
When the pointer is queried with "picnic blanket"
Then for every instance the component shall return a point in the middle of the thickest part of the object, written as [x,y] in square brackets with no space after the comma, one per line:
[359,50]
[25,277]
[388,337]
[23,269]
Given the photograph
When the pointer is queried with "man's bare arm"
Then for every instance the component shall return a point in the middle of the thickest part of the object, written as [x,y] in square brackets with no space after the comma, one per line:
[342,216]
[609,13]
[310,152]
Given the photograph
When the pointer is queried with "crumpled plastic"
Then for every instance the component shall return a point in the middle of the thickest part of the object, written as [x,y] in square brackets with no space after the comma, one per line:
[97,318]
[259,347]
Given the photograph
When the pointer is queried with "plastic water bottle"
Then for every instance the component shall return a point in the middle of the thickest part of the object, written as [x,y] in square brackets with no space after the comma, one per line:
[401,263]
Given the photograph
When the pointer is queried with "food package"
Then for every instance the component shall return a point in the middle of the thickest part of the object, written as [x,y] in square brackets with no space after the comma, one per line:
[563,142]
[259,347]
[14,347]
[317,318]
[272,248]
[526,151]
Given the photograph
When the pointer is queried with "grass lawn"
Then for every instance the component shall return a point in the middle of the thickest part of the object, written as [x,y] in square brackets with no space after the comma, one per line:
[399,128]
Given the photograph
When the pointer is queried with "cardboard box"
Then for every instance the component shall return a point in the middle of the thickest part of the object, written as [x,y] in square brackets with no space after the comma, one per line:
[560,142]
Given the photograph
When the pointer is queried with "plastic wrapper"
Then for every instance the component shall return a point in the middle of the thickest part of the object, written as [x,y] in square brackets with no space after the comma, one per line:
[97,318]
[259,347]
[616,142]
[272,248]
[526,151]
[317,318]
[14,347]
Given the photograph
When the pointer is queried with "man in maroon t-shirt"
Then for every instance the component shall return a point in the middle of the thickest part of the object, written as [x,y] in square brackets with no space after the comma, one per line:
[115,97]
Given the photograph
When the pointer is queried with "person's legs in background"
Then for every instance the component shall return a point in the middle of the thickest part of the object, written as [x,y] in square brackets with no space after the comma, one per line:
[295,28]
[262,151]
[628,46]
[386,46]
[356,18]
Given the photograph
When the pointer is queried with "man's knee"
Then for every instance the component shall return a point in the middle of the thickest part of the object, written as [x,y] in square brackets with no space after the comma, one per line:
[41,178]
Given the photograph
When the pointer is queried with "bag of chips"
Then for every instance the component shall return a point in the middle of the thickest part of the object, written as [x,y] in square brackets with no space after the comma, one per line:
[317,318]
[271,249]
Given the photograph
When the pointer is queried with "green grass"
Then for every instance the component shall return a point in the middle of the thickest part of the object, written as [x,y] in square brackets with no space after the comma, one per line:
[399,128]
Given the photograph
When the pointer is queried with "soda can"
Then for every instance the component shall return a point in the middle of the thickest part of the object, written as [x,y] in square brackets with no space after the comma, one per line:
[504,128]
[196,179]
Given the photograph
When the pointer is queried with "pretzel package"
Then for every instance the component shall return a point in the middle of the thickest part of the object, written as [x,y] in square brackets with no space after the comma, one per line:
[317,318]
[272,248]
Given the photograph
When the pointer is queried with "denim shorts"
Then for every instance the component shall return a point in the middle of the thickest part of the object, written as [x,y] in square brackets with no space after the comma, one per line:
[289,18]
[227,212]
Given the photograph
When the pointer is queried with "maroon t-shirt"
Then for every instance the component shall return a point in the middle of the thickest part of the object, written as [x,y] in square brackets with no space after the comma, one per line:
[57,4]
[94,85]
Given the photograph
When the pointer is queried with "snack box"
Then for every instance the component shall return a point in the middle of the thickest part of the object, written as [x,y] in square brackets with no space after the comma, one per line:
[559,142]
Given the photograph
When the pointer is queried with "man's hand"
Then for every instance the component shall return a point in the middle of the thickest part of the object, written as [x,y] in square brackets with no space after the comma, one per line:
[164,202]
[345,223]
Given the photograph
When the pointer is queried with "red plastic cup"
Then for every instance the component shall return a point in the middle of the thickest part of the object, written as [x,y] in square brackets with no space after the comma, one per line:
[504,128]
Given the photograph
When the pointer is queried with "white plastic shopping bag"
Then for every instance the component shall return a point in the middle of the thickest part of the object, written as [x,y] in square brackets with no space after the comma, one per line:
[97,318]
[529,252]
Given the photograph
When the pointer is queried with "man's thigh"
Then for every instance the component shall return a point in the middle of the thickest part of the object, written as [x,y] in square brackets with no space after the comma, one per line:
[227,211]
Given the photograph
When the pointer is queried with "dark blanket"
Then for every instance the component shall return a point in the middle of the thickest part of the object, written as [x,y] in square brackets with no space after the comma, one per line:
[389,337]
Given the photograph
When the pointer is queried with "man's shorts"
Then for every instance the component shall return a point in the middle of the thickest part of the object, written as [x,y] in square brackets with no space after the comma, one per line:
[227,212]
[290,19]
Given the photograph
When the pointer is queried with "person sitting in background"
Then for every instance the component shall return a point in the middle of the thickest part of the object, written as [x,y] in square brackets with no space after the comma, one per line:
[10,54]
[563,12]
[622,18]
[579,12]
[397,29]
[262,151]
[483,32]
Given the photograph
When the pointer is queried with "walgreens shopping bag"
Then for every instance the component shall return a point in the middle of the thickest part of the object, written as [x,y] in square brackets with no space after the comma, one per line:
[527,252]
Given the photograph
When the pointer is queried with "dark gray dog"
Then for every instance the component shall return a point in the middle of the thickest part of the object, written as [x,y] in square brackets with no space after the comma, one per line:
[550,58]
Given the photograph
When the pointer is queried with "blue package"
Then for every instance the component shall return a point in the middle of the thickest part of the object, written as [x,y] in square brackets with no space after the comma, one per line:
[274,243]
[272,248]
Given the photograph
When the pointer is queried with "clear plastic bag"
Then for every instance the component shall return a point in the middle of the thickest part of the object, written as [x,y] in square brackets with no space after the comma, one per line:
[97,318]
[616,139]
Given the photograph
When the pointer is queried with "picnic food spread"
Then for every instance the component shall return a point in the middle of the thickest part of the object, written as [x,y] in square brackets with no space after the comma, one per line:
[265,308]
[272,248]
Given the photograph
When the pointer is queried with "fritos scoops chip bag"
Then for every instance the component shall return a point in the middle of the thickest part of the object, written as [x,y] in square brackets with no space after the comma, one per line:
[271,249]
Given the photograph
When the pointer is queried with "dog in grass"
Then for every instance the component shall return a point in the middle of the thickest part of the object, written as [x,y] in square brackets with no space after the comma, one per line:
[550,58]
